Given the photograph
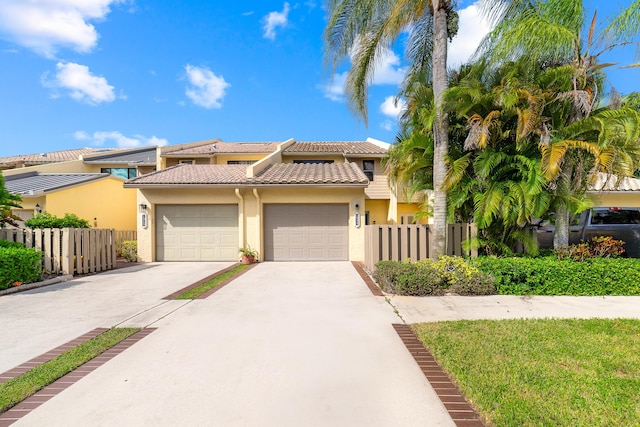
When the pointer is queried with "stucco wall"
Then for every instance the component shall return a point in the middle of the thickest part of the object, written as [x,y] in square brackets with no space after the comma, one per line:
[378,210]
[104,203]
[250,211]
[629,199]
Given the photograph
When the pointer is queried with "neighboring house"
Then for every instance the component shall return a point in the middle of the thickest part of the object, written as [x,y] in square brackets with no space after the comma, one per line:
[86,182]
[97,197]
[291,201]
[611,191]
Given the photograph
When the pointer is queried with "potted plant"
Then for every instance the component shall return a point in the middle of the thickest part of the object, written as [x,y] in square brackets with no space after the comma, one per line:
[248,255]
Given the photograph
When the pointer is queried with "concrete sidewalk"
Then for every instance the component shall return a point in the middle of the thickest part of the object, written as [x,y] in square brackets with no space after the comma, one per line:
[39,320]
[434,309]
[286,344]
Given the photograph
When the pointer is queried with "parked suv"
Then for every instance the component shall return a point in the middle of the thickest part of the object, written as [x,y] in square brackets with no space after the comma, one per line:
[619,223]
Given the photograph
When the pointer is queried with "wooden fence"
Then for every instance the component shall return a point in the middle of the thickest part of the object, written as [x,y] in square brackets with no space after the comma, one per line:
[124,235]
[413,241]
[69,250]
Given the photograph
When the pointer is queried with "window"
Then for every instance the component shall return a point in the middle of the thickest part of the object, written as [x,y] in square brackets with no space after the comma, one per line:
[312,162]
[240,162]
[368,166]
[125,173]
[367,217]
[615,216]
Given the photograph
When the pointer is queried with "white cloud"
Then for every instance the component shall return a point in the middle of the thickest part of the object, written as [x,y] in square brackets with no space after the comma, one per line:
[103,137]
[273,20]
[387,72]
[249,13]
[392,108]
[334,90]
[473,27]
[80,84]
[207,89]
[47,25]
[387,125]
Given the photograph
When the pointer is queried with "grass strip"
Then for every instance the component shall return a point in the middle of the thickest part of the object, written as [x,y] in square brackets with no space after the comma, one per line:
[19,388]
[543,372]
[214,282]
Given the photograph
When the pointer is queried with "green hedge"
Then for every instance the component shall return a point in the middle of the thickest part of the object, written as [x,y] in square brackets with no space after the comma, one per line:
[8,244]
[47,220]
[551,276]
[446,275]
[19,265]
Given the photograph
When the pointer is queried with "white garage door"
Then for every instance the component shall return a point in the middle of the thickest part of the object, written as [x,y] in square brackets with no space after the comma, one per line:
[197,232]
[306,232]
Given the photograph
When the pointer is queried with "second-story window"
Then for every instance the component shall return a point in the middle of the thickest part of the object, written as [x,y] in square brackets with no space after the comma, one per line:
[125,173]
[313,161]
[368,167]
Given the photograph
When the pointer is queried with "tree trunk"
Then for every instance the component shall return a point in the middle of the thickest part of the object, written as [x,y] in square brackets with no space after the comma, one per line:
[561,237]
[440,130]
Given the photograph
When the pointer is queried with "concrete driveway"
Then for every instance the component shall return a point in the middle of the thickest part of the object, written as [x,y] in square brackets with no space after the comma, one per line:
[286,344]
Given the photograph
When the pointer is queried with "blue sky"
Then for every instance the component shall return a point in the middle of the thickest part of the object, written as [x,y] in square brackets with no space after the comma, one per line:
[109,73]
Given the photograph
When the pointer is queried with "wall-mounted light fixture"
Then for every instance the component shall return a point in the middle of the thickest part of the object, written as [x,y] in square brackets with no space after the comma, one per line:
[37,209]
[357,206]
[142,208]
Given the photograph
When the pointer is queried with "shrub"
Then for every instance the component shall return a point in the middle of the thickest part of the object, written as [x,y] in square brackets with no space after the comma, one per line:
[19,265]
[599,246]
[387,273]
[427,277]
[46,220]
[419,280]
[129,250]
[551,276]
[8,244]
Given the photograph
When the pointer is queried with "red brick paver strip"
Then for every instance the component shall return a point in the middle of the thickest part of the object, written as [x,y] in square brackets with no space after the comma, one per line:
[206,279]
[49,355]
[461,412]
[23,408]
[375,290]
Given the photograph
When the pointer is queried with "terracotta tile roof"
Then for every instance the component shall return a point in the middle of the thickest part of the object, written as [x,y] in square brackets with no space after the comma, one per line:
[54,156]
[278,174]
[195,174]
[216,147]
[340,147]
[300,173]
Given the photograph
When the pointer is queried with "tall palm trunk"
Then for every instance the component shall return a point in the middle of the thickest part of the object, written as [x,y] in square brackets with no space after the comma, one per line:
[440,129]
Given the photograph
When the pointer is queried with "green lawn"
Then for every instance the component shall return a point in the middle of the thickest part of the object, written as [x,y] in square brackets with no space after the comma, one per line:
[17,389]
[214,282]
[544,372]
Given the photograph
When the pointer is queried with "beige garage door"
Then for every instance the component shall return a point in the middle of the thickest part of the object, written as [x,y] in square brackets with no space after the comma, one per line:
[197,232]
[306,232]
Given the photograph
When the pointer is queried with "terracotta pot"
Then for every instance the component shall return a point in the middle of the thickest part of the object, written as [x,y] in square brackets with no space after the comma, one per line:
[248,259]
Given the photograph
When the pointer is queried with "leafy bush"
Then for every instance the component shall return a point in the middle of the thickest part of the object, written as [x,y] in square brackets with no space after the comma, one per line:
[388,272]
[599,246]
[19,265]
[129,250]
[8,244]
[427,277]
[551,276]
[46,220]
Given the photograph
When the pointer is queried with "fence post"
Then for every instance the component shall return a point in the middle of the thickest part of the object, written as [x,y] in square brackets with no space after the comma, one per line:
[67,251]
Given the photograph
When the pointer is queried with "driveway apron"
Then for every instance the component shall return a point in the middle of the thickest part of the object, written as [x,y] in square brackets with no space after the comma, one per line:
[39,320]
[286,344]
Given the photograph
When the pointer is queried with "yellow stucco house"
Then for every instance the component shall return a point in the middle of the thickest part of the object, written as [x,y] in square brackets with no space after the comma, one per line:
[87,182]
[291,201]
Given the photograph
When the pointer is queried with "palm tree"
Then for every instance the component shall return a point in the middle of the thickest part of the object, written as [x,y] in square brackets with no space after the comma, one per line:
[364,30]
[551,32]
[7,201]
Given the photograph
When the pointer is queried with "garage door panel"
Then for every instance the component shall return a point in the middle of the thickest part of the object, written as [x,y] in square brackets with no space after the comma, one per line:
[306,232]
[197,233]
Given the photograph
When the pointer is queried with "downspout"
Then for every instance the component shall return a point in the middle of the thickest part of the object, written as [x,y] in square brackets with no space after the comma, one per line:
[241,233]
[259,220]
